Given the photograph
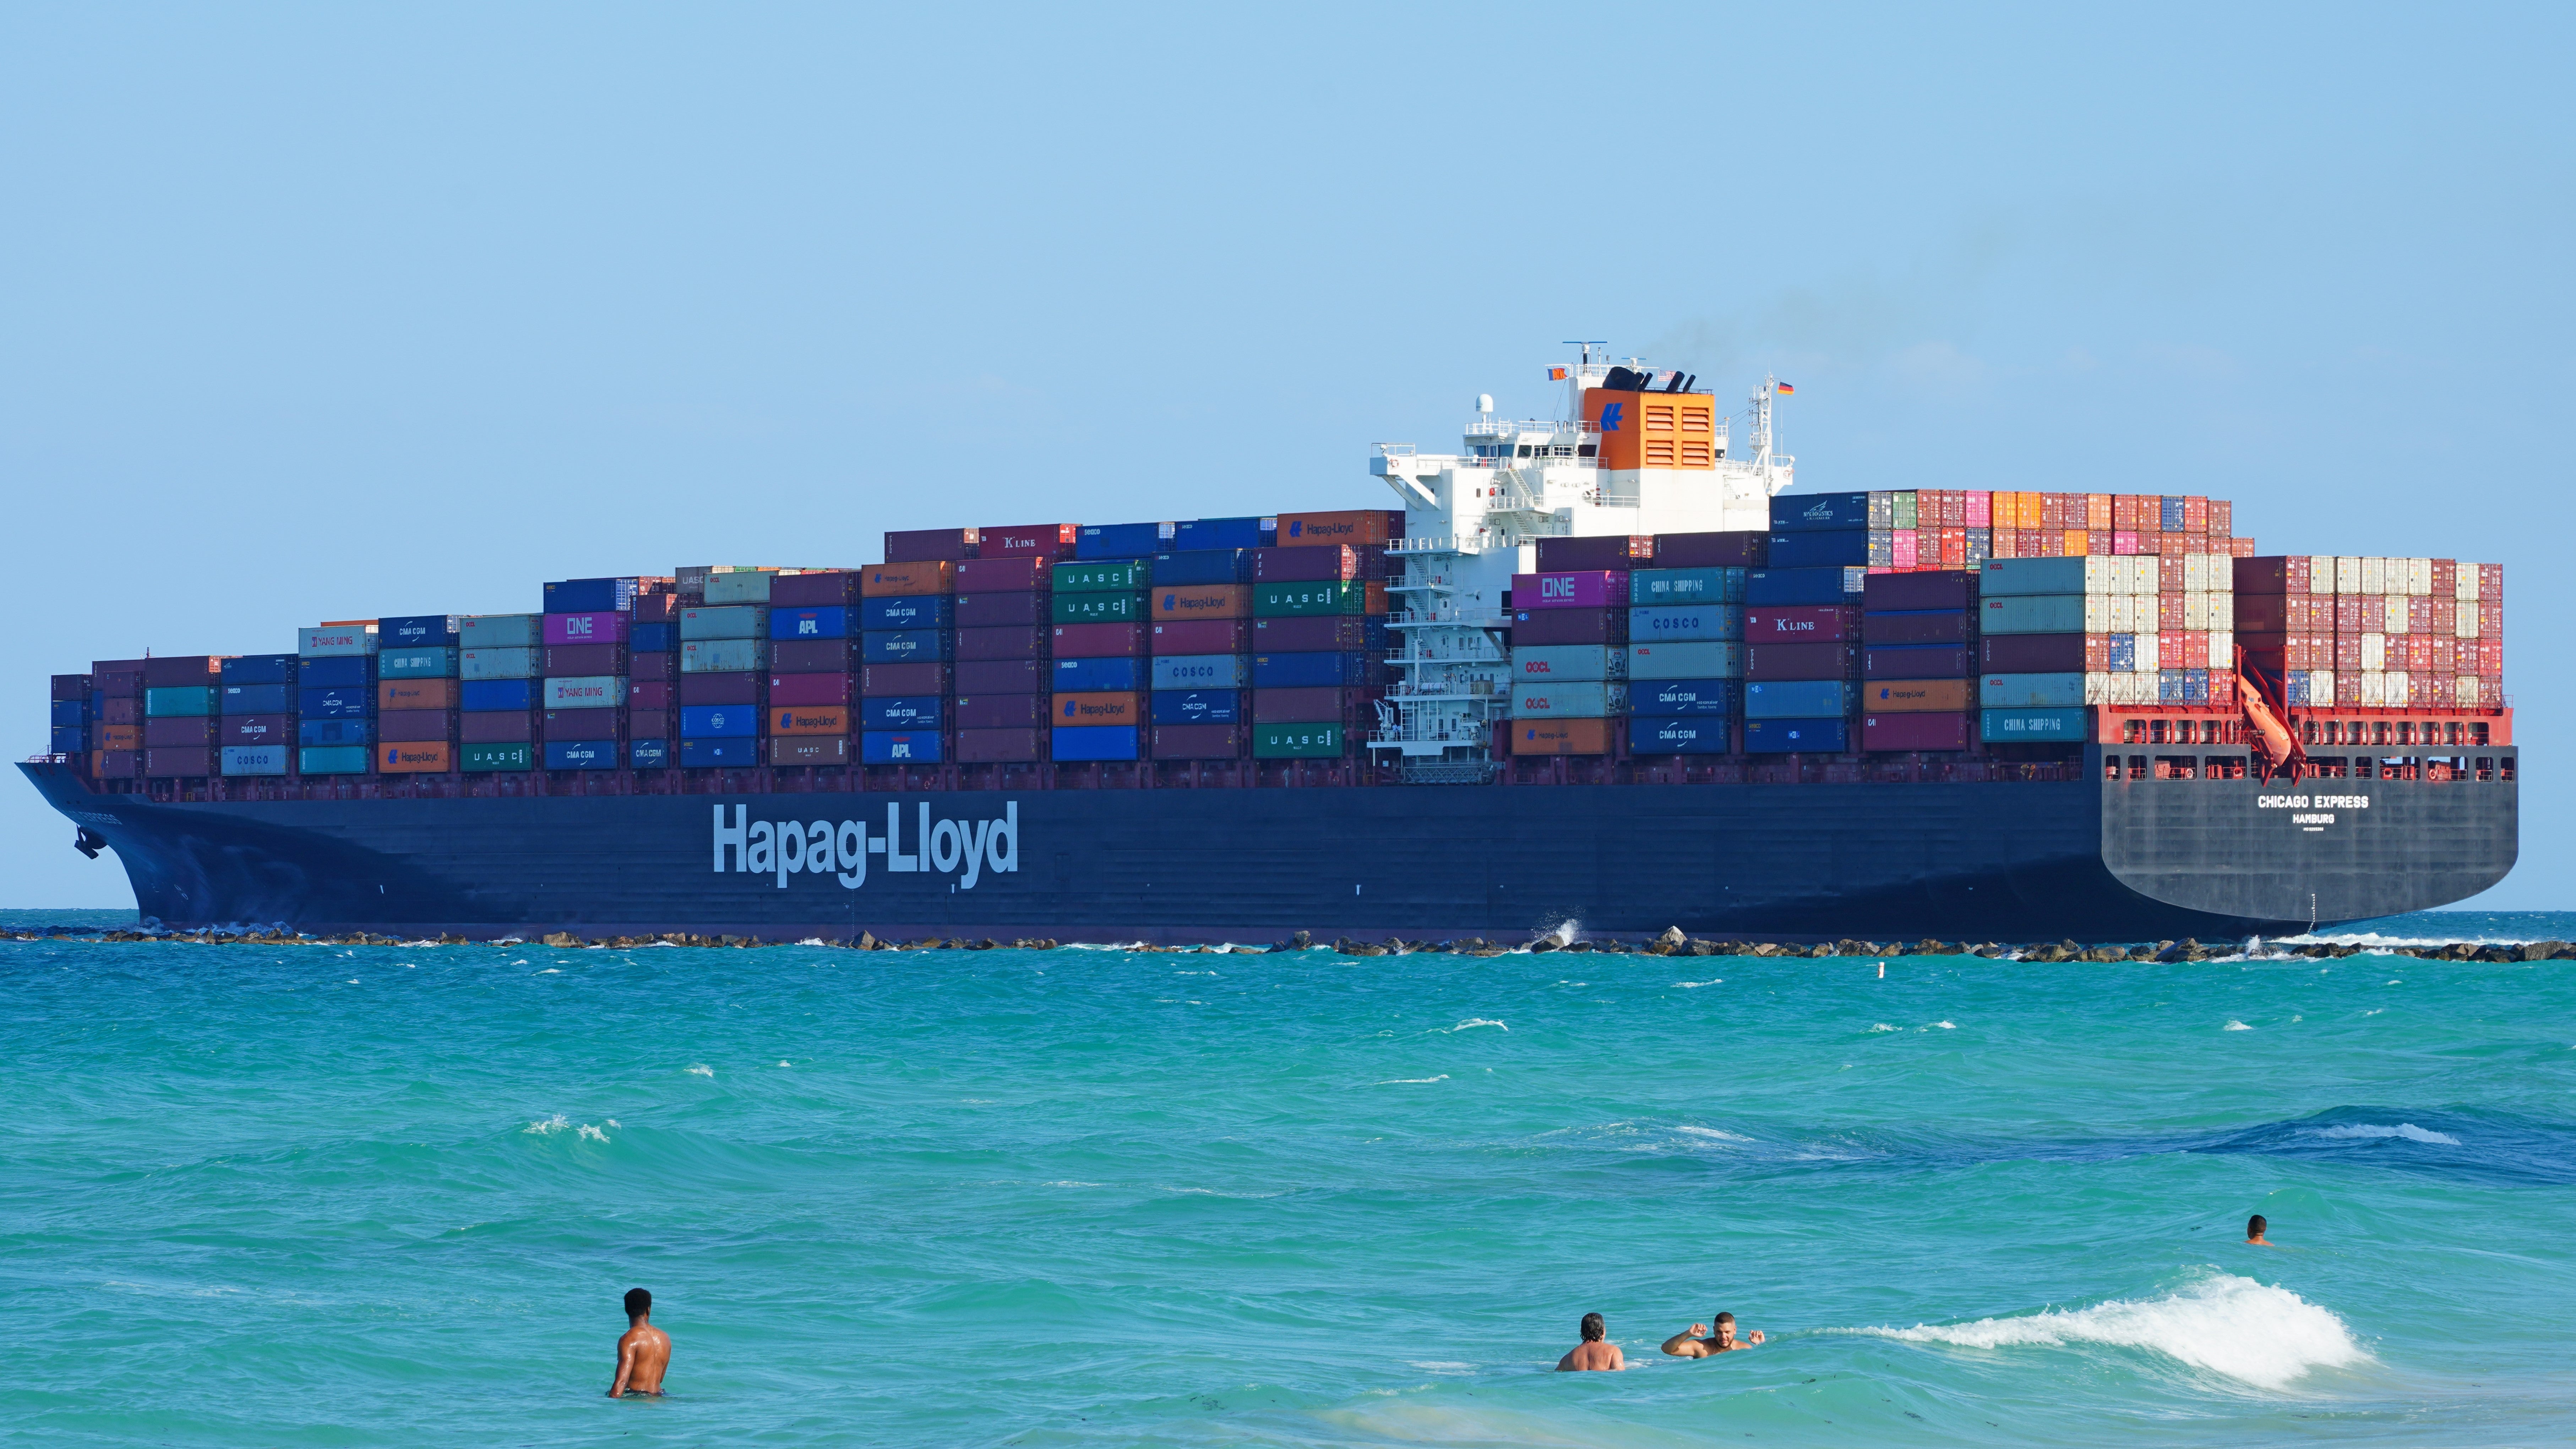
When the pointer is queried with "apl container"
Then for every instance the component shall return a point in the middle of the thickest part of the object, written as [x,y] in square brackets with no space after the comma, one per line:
[2028,726]
[1797,698]
[1202,671]
[1686,659]
[1796,736]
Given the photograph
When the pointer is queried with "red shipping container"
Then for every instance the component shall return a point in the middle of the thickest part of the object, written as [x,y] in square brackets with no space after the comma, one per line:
[562,725]
[1928,589]
[815,589]
[811,656]
[790,751]
[416,724]
[663,667]
[2268,613]
[2277,574]
[116,764]
[1001,711]
[1532,628]
[986,611]
[2491,583]
[1917,731]
[1584,589]
[178,764]
[1711,550]
[1018,574]
[1202,741]
[70,687]
[930,545]
[1203,636]
[1801,661]
[1010,641]
[1954,661]
[1935,626]
[1322,634]
[1036,540]
[1098,641]
[877,681]
[809,689]
[659,607]
[186,732]
[651,693]
[562,660]
[118,709]
[179,671]
[1317,705]
[1002,676]
[497,727]
[1609,551]
[1801,623]
[1313,565]
[652,724]
[258,729]
[1001,746]
[731,687]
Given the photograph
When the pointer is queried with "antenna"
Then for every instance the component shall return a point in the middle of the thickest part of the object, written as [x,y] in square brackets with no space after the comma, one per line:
[1574,379]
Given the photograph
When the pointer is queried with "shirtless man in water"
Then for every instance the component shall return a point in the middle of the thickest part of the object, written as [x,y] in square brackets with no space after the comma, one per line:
[1689,1343]
[643,1353]
[2254,1230]
[1593,1352]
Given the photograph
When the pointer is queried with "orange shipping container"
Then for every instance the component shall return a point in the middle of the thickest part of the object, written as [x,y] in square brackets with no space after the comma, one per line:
[809,719]
[1561,736]
[416,694]
[897,580]
[1917,696]
[2077,543]
[120,737]
[1098,709]
[1349,525]
[1202,601]
[2097,513]
[415,757]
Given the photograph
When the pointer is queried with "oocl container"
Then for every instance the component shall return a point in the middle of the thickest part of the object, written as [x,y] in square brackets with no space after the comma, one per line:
[1686,659]
[1568,700]
[1569,662]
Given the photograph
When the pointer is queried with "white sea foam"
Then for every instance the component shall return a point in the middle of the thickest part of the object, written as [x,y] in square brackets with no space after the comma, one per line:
[353,980]
[1720,1134]
[2234,1025]
[1469,1023]
[1695,985]
[1943,1026]
[545,1126]
[551,971]
[593,1133]
[701,1069]
[1882,1026]
[2407,1130]
[2248,1331]
[1410,1081]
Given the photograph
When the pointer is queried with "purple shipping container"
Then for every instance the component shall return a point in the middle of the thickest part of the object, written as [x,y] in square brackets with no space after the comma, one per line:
[1205,741]
[181,671]
[1929,626]
[930,545]
[186,732]
[1928,589]
[920,677]
[414,726]
[1001,711]
[1917,731]
[819,589]
[1001,747]
[1318,705]
[813,656]
[1322,634]
[1317,564]
[985,611]
[1002,676]
[119,710]
[1712,550]
[2030,654]
[651,693]
[1204,636]
[258,729]
[1098,641]
[732,687]
[1009,641]
[652,724]
[810,689]
[1571,589]
[1602,551]
[496,727]
[559,661]
[1532,628]
[585,629]
[1801,661]
[69,687]
[1023,574]
[1917,661]
[179,763]
[579,724]
[665,667]
[1800,623]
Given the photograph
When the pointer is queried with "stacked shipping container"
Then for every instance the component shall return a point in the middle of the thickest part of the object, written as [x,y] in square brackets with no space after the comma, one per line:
[335,698]
[418,695]
[813,699]
[1919,660]
[497,699]
[256,733]
[724,668]
[2376,633]
[1199,639]
[1005,630]
[1319,636]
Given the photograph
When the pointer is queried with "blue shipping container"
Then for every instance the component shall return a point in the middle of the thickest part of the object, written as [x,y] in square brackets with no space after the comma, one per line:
[2169,686]
[1199,706]
[75,713]
[900,747]
[1802,586]
[730,752]
[1094,742]
[1686,621]
[1202,671]
[261,669]
[438,662]
[1688,697]
[1797,698]
[904,646]
[1122,540]
[719,721]
[497,694]
[1815,548]
[343,671]
[338,703]
[909,611]
[1303,671]
[823,621]
[2028,726]
[68,740]
[1203,566]
[2170,514]
[1678,735]
[1797,736]
[590,596]
[332,760]
[416,631]
[356,734]
[581,754]
[2195,686]
[1807,512]
[901,712]
[1089,676]
[653,639]
[649,754]
[257,699]
[1202,534]
[255,759]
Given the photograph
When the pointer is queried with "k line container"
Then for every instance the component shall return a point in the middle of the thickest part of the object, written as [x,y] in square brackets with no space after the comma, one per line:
[1030,540]
[1092,676]
[2028,726]
[1796,736]
[1680,735]
[1686,659]
[1569,663]
[1798,698]
[1698,698]
[1801,623]
[1094,742]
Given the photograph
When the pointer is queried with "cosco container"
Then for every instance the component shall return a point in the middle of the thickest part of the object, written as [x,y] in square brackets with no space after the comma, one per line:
[509,663]
[1680,735]
[2026,726]
[1797,698]
[1685,621]
[500,631]
[333,760]
[1686,659]
[1695,697]
[256,759]
[732,621]
[436,663]
[1197,706]
[1568,699]
[335,640]
[1321,741]
[1202,671]
[901,747]
[1568,662]
[719,721]
[1091,675]
[893,611]
[724,656]
[1796,736]
[1649,587]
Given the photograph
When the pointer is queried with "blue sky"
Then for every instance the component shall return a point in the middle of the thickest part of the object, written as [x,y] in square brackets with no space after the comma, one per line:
[320,312]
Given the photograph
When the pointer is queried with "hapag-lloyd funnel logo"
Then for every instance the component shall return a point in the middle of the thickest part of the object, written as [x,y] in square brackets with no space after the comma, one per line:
[781,848]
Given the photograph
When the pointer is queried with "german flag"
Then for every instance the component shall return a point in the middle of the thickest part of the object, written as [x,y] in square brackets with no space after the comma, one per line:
[1785,389]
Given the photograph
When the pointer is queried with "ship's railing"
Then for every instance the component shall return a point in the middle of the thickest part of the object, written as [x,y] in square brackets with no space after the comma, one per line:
[1462,618]
[1547,427]
[49,759]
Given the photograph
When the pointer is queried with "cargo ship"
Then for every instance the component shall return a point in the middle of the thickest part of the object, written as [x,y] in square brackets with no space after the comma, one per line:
[1607,672]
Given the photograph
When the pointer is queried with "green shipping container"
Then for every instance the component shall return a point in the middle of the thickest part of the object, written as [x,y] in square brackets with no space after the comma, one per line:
[2036,726]
[178,701]
[1103,576]
[1297,742]
[333,760]
[1298,601]
[1099,608]
[498,757]
[432,663]
[2032,613]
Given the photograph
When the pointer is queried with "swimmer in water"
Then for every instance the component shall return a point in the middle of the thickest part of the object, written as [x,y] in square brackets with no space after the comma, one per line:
[1689,1343]
[643,1353]
[1594,1352]
[2254,1227]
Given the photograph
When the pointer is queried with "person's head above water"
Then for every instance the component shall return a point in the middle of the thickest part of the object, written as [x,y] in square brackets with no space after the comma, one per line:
[2254,1227]
[1594,1330]
[1722,1326]
[639,1302]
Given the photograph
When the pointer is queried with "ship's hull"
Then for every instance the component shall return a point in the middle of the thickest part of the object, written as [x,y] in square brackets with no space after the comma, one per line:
[2095,860]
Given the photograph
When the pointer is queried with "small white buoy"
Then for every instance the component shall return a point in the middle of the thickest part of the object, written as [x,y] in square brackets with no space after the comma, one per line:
[1882,971]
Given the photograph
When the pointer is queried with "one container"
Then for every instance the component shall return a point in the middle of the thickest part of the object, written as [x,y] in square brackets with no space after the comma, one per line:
[1086,676]
[1568,663]
[2034,726]
[590,628]
[1798,698]
[1570,589]
[1796,736]
[1094,742]
[1917,696]
[1686,659]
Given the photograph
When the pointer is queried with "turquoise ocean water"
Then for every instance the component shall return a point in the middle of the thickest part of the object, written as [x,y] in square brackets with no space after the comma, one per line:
[334,1196]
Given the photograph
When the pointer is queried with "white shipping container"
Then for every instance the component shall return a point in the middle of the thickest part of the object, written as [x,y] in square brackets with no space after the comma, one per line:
[2374,689]
[2123,614]
[2321,687]
[501,631]
[2347,574]
[585,691]
[1568,699]
[723,656]
[2419,577]
[335,641]
[1541,663]
[2195,608]
[740,586]
[731,621]
[2374,576]
[2466,689]
[2464,581]
[2195,573]
[2145,573]
[2374,653]
[2400,689]
[2395,605]
[505,663]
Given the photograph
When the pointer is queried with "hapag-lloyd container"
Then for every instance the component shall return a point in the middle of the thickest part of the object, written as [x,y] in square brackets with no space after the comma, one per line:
[1568,699]
[811,719]
[598,691]
[1202,671]
[1695,697]
[1685,621]
[403,694]
[1686,659]
[1917,696]
[329,641]
[1123,708]
[1797,698]
[1570,589]
[596,628]
[884,580]
[1346,526]
[1569,663]
[1561,736]
[1199,601]
[415,757]
[500,631]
